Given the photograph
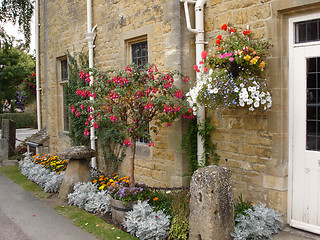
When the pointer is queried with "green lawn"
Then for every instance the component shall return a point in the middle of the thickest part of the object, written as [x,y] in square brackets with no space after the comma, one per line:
[87,221]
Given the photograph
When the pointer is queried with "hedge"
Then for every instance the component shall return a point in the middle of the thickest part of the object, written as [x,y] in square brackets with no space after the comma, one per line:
[26,119]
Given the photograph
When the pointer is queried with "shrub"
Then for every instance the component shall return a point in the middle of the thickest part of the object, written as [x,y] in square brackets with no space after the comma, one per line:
[49,181]
[146,224]
[258,223]
[179,229]
[241,206]
[23,120]
[87,197]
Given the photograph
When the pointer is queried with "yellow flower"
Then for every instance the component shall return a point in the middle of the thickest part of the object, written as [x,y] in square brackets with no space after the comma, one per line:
[102,187]
[247,57]
[111,180]
[240,52]
[253,61]
[262,64]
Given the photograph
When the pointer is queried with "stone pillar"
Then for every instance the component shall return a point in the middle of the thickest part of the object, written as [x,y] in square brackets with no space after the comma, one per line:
[77,169]
[211,204]
[8,139]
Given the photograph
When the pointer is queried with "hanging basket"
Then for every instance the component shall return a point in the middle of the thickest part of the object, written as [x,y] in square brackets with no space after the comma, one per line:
[119,210]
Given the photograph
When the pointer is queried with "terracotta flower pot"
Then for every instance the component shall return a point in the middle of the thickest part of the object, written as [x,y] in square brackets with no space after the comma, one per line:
[119,210]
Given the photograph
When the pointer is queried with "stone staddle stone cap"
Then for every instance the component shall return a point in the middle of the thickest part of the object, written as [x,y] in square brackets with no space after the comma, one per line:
[77,152]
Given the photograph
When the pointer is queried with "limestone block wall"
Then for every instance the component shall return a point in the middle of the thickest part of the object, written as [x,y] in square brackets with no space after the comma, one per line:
[119,24]
[255,145]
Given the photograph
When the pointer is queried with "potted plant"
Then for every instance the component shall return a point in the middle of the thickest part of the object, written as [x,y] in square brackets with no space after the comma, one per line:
[232,74]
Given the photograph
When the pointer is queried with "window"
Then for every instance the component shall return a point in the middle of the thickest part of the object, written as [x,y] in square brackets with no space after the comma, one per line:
[63,62]
[307,31]
[139,52]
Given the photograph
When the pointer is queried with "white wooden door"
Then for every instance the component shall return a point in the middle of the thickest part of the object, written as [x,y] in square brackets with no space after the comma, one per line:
[305,137]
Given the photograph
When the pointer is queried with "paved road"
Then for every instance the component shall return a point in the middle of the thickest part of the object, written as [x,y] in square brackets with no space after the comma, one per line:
[25,217]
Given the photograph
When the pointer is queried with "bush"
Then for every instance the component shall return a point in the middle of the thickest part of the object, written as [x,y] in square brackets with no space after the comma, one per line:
[146,224]
[23,120]
[241,206]
[88,197]
[49,181]
[259,223]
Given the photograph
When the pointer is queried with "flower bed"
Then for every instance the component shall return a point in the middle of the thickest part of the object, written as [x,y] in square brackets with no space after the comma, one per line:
[45,174]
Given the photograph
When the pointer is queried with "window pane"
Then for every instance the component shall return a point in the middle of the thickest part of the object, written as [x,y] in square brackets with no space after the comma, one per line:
[301,33]
[64,70]
[307,31]
[311,65]
[140,54]
[312,31]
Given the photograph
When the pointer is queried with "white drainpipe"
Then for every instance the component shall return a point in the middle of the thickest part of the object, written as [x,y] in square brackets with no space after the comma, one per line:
[90,36]
[38,89]
[199,31]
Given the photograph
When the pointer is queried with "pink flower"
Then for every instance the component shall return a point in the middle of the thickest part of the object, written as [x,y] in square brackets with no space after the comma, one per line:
[204,54]
[231,59]
[205,69]
[151,144]
[196,68]
[95,125]
[169,124]
[82,106]
[126,142]
[148,105]
[73,109]
[178,94]
[113,118]
[86,133]
[77,113]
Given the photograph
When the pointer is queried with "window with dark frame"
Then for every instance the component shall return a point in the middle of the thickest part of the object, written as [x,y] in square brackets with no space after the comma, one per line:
[140,58]
[307,31]
[64,77]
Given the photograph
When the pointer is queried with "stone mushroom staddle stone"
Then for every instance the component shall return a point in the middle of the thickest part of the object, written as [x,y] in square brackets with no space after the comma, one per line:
[77,170]
[211,204]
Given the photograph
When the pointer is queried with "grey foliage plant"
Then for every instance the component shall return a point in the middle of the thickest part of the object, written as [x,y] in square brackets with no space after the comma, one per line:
[259,224]
[146,224]
[88,197]
[49,181]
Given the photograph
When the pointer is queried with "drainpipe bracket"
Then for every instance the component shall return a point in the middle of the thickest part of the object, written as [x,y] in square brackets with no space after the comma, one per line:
[90,36]
[202,42]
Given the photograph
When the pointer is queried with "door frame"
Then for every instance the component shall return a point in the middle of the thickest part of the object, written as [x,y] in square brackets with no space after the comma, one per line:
[291,46]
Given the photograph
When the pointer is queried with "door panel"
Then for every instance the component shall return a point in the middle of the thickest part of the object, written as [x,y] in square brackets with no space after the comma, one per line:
[306,138]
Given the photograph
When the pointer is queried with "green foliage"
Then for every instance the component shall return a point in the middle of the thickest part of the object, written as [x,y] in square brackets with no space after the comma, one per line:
[179,229]
[17,65]
[110,139]
[205,130]
[110,142]
[241,206]
[22,120]
[77,124]
[189,144]
[161,200]
[18,11]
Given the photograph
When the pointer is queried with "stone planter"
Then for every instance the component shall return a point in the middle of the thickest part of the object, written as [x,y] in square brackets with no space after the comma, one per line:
[119,210]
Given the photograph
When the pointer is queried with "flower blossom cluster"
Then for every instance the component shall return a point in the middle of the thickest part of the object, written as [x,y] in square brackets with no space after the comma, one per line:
[232,74]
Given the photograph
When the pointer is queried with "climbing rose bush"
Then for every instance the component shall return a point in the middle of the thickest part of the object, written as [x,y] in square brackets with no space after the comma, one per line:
[131,99]
[232,74]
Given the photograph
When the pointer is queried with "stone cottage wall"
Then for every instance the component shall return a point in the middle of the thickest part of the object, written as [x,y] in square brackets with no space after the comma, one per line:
[119,23]
[255,145]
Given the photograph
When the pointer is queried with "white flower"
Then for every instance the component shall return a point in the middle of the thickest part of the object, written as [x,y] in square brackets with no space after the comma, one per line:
[241,85]
[256,104]
[263,101]
[236,89]
[251,108]
[215,90]
[250,89]
[250,101]
[241,103]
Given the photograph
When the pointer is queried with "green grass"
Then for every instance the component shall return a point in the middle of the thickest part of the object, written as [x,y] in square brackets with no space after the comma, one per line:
[93,224]
[87,221]
[13,172]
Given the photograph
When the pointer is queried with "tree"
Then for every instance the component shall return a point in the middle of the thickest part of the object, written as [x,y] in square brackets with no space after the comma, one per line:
[15,66]
[130,99]
[18,11]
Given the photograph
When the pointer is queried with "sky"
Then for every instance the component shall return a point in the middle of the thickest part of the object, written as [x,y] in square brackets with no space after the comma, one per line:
[13,30]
